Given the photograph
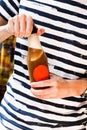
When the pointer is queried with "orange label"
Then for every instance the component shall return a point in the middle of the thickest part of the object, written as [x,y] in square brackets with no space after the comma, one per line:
[41,73]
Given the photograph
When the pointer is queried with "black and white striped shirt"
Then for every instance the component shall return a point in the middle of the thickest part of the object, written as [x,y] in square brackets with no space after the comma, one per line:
[65,43]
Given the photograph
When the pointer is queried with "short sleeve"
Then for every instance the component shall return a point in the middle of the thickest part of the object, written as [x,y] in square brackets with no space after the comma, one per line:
[9,8]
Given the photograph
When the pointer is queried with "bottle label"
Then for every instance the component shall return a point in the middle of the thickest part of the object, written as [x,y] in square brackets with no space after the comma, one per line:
[41,73]
[34,42]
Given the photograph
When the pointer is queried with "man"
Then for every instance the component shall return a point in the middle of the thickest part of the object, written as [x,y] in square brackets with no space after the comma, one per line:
[61,106]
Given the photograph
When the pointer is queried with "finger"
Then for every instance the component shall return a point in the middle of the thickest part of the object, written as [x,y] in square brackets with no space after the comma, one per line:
[22,25]
[45,93]
[40,31]
[16,26]
[41,84]
[29,25]
[41,93]
[11,26]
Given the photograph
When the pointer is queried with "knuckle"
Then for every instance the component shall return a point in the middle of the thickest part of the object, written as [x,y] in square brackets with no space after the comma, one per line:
[22,16]
[29,18]
[55,83]
[16,17]
[11,20]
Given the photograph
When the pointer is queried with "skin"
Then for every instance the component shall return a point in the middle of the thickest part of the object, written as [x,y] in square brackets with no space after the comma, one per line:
[21,26]
[59,87]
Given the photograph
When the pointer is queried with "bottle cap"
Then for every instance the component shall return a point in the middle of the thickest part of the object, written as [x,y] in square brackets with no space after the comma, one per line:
[34,29]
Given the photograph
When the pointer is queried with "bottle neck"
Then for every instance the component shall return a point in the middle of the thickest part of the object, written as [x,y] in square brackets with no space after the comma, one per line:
[34,42]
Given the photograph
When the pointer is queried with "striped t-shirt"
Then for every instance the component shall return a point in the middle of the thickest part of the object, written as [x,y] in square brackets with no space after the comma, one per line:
[65,43]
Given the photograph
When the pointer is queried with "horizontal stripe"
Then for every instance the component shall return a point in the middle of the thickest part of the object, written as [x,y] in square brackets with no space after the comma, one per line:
[67,2]
[57,18]
[25,114]
[67,50]
[5,9]
[66,61]
[13,5]
[59,123]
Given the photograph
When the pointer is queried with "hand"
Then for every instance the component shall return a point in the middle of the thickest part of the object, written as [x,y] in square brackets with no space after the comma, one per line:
[21,26]
[58,88]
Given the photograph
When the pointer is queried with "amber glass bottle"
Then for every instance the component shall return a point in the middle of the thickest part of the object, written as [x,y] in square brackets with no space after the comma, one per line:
[37,59]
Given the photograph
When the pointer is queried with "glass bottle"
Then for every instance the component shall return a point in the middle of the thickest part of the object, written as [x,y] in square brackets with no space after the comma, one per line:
[37,59]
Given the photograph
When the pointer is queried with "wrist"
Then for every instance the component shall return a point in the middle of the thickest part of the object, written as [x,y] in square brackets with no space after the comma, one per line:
[77,87]
[4,33]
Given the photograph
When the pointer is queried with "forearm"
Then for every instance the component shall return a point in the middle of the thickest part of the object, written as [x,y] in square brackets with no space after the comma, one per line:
[4,34]
[77,86]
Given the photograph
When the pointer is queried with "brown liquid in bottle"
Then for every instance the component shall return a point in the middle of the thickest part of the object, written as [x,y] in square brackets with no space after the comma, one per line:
[37,65]
[37,59]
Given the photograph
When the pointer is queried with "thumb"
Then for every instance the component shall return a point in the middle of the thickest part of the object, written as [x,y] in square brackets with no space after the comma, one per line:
[40,31]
